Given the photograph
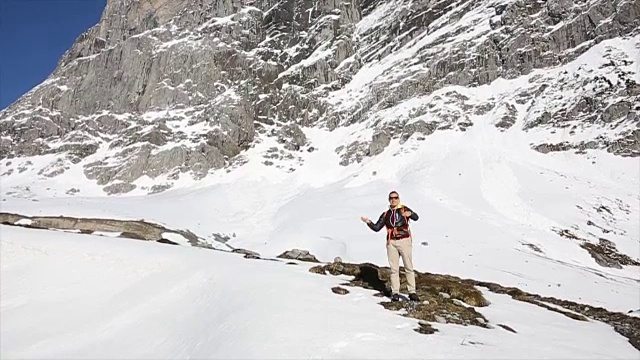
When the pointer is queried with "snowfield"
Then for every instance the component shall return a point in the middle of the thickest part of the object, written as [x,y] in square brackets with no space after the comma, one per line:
[80,296]
[484,198]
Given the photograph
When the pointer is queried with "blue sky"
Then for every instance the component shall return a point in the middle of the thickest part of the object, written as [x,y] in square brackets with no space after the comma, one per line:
[33,36]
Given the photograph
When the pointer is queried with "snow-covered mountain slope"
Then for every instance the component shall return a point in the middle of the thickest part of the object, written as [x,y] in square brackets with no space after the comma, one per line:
[510,127]
[490,208]
[82,296]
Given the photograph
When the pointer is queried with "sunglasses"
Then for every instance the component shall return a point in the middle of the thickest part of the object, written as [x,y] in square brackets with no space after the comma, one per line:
[393,198]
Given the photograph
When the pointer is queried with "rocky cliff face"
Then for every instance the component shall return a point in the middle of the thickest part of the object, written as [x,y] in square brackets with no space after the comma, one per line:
[170,88]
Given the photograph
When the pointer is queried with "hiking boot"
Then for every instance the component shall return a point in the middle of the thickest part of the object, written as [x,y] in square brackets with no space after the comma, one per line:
[414,297]
[395,297]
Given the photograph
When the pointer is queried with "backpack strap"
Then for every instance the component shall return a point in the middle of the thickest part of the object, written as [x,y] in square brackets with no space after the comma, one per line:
[389,230]
[406,218]
[393,230]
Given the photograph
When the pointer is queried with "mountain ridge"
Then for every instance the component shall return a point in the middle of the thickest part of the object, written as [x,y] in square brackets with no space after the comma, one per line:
[165,90]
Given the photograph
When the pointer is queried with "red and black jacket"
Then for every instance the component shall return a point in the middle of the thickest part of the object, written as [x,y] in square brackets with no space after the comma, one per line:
[396,222]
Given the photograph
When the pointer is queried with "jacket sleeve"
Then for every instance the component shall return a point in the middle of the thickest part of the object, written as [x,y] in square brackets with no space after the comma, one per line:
[413,216]
[378,225]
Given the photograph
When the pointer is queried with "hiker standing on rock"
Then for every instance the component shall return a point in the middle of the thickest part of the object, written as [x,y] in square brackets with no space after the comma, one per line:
[399,243]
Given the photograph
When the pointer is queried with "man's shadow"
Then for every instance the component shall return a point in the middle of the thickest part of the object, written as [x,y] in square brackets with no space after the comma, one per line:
[369,275]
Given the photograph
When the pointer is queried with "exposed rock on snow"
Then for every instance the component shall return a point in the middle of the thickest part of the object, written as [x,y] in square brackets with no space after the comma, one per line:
[247,253]
[626,326]
[605,252]
[296,254]
[319,269]
[132,229]
[433,307]
[452,309]
[339,290]
[292,137]
[378,143]
[508,328]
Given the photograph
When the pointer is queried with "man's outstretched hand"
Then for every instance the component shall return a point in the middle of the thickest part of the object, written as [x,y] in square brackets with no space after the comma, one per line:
[365,219]
[408,213]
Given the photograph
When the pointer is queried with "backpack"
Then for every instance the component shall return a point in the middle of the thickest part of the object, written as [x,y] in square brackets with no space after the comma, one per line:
[394,229]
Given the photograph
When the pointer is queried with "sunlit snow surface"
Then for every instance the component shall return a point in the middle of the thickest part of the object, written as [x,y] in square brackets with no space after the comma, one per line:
[82,296]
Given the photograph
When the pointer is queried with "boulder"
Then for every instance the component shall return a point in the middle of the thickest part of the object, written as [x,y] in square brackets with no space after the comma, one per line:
[297,254]
[339,290]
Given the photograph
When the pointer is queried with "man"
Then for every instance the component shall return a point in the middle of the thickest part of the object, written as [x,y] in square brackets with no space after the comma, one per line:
[399,243]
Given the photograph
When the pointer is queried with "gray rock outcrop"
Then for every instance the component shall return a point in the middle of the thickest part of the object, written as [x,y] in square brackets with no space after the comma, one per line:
[171,88]
[297,254]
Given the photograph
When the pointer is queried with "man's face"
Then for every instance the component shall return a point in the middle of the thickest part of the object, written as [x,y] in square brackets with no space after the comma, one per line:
[394,199]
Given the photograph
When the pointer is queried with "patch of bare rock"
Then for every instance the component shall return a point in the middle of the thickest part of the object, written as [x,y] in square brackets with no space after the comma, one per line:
[449,299]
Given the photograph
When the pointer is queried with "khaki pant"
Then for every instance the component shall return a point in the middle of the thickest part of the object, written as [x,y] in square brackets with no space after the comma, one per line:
[396,249]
